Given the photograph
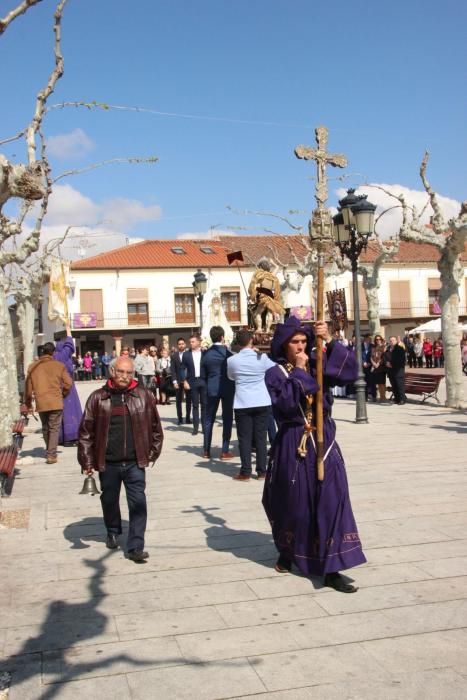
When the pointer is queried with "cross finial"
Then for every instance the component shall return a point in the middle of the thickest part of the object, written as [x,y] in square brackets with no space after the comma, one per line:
[322,158]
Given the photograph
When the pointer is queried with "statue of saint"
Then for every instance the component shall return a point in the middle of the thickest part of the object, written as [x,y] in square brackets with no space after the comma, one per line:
[265,293]
[215,316]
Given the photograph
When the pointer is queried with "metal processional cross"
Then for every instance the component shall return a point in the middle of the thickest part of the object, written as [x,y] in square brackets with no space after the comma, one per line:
[322,158]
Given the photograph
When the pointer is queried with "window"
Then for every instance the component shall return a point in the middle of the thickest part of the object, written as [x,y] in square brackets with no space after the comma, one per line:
[207,250]
[90,302]
[178,250]
[137,307]
[138,314]
[184,307]
[231,305]
[399,294]
[434,285]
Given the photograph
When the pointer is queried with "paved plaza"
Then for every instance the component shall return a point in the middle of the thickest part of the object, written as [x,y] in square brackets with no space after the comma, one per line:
[207,617]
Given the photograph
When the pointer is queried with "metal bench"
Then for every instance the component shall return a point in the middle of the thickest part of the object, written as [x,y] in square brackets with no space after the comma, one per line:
[425,384]
[8,457]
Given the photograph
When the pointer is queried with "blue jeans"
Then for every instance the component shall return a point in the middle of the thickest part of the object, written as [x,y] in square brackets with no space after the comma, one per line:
[134,481]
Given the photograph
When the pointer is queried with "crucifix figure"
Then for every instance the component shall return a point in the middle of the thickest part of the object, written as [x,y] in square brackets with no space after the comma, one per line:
[322,158]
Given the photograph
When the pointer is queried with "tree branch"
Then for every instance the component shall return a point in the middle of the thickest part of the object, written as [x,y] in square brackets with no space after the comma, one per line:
[43,95]
[93,166]
[13,14]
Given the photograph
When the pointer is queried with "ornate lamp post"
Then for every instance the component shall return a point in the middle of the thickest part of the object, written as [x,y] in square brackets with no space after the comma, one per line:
[199,286]
[353,226]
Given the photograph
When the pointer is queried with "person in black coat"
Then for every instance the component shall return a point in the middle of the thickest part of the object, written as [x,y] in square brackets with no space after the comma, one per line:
[367,347]
[194,382]
[178,376]
[395,363]
[219,388]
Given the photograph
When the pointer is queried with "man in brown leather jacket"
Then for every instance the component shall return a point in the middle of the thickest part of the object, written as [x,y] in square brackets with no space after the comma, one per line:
[119,436]
[48,383]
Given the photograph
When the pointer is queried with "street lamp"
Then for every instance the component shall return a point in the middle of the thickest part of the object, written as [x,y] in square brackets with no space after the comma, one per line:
[353,226]
[199,287]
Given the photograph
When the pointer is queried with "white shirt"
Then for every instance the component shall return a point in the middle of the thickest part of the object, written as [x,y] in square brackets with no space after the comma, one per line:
[196,354]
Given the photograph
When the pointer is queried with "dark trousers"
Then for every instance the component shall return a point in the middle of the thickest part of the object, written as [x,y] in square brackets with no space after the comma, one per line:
[198,402]
[134,480]
[397,379]
[212,404]
[429,360]
[370,386]
[180,395]
[51,422]
[252,425]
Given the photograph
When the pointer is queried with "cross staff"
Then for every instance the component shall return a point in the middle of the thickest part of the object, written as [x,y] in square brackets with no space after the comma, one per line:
[320,228]
[322,158]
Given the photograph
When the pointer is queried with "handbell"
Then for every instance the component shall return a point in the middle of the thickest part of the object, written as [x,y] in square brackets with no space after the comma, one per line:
[90,486]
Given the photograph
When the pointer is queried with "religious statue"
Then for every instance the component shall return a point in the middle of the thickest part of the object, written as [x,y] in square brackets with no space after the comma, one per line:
[264,292]
[215,316]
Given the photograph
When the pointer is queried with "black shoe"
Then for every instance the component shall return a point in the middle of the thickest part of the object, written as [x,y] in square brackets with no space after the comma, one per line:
[70,443]
[188,421]
[138,556]
[180,422]
[195,432]
[111,541]
[283,565]
[336,581]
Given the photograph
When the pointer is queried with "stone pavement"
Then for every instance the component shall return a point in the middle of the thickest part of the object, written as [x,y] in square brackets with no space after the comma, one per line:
[207,617]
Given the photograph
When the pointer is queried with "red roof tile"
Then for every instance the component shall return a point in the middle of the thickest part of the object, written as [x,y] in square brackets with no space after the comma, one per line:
[157,254]
[286,249]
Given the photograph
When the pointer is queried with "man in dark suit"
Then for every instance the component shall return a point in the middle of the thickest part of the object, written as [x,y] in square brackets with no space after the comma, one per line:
[194,382]
[367,348]
[178,376]
[219,388]
[395,362]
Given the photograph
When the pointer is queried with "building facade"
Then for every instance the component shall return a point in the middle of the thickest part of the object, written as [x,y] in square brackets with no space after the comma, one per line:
[143,294]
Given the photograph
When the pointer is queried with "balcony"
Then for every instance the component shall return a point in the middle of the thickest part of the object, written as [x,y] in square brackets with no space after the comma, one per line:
[92,320]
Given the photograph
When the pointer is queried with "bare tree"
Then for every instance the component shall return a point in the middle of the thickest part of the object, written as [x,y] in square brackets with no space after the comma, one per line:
[29,181]
[449,238]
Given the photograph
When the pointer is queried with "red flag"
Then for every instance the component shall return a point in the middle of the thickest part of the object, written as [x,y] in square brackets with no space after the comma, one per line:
[232,257]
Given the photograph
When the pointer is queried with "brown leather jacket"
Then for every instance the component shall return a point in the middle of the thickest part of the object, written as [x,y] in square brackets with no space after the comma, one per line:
[47,382]
[94,428]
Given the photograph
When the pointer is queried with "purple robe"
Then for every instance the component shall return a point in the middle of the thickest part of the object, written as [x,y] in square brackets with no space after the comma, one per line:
[312,521]
[72,410]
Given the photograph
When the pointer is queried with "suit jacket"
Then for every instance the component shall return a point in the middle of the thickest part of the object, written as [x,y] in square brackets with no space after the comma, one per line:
[366,353]
[214,372]
[178,370]
[189,369]
[396,357]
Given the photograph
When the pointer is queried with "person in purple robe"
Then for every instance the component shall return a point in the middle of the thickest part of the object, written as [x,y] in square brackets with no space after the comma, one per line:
[72,410]
[312,521]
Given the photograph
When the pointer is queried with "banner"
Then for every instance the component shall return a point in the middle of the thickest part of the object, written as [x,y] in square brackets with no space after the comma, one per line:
[58,290]
[85,320]
[337,308]
[303,313]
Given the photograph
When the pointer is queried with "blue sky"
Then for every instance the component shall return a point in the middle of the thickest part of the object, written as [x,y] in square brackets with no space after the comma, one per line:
[388,79]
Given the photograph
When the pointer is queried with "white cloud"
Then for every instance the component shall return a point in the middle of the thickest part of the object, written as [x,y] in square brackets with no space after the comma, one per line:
[124,213]
[69,207]
[389,224]
[74,144]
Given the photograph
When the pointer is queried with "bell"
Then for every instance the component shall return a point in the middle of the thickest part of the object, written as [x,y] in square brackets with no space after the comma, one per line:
[90,486]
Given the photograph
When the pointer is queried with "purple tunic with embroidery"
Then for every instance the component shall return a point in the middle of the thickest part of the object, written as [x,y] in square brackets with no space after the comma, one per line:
[312,521]
[72,410]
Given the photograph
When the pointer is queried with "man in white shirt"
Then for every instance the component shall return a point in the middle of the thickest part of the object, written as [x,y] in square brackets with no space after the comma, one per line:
[194,382]
[251,404]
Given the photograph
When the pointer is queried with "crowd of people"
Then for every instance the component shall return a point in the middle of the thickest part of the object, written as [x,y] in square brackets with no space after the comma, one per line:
[270,396]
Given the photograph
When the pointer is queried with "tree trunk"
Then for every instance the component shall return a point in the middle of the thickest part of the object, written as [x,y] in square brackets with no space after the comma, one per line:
[372,299]
[9,399]
[452,273]
[26,315]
